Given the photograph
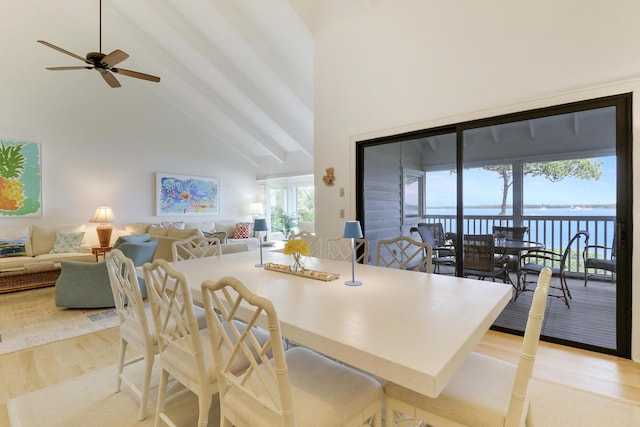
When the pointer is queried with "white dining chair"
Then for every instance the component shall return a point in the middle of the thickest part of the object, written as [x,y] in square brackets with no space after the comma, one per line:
[182,353]
[485,391]
[195,247]
[314,242]
[405,253]
[339,249]
[136,325]
[296,387]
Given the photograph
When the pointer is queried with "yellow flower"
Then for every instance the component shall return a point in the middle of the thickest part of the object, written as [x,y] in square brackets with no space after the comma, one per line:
[296,246]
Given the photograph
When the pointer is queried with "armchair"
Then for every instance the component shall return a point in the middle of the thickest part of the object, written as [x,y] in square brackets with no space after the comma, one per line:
[87,285]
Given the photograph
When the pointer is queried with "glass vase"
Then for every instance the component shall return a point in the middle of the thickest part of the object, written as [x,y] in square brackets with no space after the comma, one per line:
[297,265]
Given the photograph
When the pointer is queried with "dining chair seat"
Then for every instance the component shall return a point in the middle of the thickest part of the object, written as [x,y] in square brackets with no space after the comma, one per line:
[296,387]
[485,391]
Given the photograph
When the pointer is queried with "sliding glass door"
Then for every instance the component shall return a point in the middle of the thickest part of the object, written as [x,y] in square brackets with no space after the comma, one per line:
[555,171]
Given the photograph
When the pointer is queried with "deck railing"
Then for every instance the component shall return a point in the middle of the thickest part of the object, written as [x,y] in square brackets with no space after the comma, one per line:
[553,231]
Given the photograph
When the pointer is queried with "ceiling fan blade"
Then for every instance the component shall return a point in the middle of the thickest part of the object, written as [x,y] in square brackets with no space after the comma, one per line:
[115,57]
[80,67]
[136,74]
[59,49]
[108,77]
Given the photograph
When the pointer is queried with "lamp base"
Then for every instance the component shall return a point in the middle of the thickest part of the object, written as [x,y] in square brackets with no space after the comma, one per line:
[353,283]
[260,265]
[104,235]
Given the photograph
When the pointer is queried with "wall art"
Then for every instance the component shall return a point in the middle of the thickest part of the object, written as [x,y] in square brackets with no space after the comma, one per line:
[178,195]
[20,179]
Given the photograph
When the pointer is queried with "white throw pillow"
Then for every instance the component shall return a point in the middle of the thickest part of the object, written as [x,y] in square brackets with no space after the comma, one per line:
[67,242]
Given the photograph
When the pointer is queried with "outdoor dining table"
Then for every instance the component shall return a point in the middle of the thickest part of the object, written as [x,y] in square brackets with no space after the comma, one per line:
[517,248]
[412,328]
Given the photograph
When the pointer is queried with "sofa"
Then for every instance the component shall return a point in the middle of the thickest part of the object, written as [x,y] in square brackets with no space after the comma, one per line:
[169,232]
[29,245]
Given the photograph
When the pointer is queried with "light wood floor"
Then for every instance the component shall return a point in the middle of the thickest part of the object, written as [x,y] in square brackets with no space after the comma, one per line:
[28,370]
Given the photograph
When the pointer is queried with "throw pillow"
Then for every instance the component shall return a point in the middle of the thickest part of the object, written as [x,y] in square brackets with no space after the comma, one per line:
[67,242]
[135,238]
[243,230]
[220,235]
[13,247]
[175,224]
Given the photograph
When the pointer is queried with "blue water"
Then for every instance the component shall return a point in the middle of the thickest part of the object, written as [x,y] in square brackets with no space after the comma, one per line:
[555,233]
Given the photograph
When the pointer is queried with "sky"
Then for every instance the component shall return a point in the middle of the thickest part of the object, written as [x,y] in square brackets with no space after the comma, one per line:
[483,187]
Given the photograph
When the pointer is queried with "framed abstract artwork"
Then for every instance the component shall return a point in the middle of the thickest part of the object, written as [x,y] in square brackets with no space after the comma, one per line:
[20,179]
[178,195]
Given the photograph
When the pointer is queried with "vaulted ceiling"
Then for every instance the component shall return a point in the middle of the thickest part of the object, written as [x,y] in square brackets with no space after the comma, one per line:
[240,69]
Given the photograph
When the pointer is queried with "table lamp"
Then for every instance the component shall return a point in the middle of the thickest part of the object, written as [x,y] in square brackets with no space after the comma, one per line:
[352,231]
[103,216]
[260,225]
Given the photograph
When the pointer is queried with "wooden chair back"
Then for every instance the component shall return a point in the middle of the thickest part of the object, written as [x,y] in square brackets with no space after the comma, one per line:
[339,249]
[313,242]
[405,253]
[266,381]
[196,247]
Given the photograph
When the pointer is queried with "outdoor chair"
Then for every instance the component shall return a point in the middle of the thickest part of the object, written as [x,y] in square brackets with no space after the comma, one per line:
[339,249]
[196,247]
[313,242]
[535,261]
[296,387]
[480,260]
[485,391]
[510,233]
[443,255]
[599,257]
[405,253]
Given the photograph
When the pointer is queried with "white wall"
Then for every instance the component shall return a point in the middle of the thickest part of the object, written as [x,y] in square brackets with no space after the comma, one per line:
[111,155]
[405,65]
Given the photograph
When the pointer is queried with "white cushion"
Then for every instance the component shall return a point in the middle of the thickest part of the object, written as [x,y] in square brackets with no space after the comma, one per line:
[44,237]
[477,395]
[67,242]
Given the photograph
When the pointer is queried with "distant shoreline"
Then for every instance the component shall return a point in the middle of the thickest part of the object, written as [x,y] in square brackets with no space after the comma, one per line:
[536,206]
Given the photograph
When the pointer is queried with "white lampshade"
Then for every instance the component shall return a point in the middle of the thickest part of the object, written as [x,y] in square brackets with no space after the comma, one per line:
[103,215]
[256,209]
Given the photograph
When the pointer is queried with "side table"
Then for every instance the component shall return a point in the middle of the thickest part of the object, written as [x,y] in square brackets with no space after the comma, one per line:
[100,250]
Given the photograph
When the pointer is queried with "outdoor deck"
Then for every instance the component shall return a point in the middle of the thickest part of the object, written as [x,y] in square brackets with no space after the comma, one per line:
[590,320]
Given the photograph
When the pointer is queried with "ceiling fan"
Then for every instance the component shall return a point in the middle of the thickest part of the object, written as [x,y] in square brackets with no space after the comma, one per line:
[103,64]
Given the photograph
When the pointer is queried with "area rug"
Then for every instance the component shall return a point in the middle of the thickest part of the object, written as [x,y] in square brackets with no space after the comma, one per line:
[90,400]
[34,321]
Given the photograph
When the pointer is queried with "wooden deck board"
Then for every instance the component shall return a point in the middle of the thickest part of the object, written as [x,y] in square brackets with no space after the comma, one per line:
[590,320]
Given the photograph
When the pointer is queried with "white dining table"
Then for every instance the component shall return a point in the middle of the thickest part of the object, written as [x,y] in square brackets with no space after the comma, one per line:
[412,328]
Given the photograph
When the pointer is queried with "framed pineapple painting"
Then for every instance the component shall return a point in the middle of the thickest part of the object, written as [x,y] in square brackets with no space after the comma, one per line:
[20,179]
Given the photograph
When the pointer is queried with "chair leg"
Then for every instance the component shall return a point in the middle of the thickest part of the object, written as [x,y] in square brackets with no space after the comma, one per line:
[162,389]
[146,384]
[123,351]
[204,402]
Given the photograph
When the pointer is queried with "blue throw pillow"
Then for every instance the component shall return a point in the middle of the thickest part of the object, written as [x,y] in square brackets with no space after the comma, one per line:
[135,238]
[132,238]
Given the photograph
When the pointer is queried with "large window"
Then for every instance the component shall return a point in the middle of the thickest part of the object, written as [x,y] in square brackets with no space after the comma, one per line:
[290,205]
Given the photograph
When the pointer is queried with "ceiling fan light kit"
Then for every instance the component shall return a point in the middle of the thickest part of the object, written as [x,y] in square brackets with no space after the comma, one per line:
[103,64]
